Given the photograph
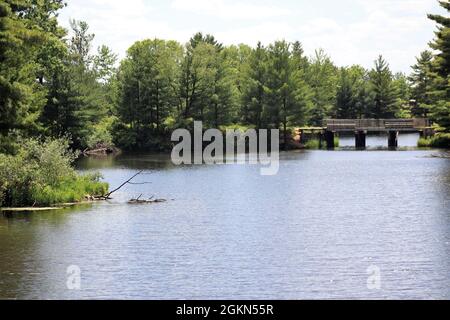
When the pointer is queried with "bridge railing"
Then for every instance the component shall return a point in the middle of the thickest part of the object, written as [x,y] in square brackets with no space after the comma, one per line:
[375,124]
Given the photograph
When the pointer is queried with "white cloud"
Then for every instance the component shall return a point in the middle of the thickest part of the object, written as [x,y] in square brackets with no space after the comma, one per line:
[119,25]
[265,33]
[395,29]
[403,7]
[229,10]
[351,31]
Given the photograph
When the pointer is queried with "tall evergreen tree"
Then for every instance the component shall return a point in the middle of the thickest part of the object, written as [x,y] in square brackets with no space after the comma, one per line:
[147,91]
[286,92]
[421,84]
[385,96]
[76,101]
[351,82]
[441,68]
[25,29]
[322,78]
[198,76]
[253,97]
[402,89]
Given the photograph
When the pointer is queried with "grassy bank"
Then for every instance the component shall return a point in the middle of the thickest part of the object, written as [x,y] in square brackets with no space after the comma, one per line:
[441,140]
[314,144]
[41,174]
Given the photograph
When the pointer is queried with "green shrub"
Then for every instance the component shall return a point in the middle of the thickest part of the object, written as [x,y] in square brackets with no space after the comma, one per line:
[336,142]
[315,144]
[102,133]
[41,174]
[241,127]
[424,143]
[71,190]
[312,144]
[441,140]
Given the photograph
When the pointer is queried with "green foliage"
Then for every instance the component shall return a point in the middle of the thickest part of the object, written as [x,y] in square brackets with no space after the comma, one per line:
[41,174]
[79,92]
[402,89]
[440,69]
[21,37]
[313,144]
[422,84]
[69,191]
[321,76]
[441,140]
[424,143]
[102,133]
[336,142]
[351,96]
[252,89]
[241,127]
[147,91]
[385,95]
[104,63]
[287,92]
[207,83]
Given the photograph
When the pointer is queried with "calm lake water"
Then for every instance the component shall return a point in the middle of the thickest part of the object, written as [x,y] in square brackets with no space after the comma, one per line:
[310,232]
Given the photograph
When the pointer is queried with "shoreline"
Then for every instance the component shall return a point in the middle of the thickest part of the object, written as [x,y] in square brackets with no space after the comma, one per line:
[59,206]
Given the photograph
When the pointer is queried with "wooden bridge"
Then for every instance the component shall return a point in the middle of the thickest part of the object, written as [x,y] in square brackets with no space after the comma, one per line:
[360,127]
[376,125]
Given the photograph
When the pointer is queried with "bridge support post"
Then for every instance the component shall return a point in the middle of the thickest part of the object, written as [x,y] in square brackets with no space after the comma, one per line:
[329,138]
[393,139]
[302,137]
[360,139]
[426,133]
[320,136]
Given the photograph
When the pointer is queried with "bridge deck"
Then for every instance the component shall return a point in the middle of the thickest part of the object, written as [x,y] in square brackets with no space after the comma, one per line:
[346,125]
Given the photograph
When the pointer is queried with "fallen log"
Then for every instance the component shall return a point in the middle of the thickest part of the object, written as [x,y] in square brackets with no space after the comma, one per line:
[440,156]
[148,201]
[101,150]
[108,195]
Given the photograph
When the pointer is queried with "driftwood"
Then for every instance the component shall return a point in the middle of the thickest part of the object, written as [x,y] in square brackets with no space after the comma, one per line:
[100,149]
[440,156]
[138,200]
[147,201]
[108,195]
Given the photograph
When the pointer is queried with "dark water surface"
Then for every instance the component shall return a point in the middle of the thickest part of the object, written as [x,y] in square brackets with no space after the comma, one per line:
[312,231]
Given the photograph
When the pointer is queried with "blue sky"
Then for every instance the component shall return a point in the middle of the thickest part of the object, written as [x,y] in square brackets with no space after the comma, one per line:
[350,31]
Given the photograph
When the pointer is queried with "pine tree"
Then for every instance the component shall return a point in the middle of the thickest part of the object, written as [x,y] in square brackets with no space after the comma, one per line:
[286,92]
[402,89]
[422,81]
[322,78]
[147,92]
[253,96]
[441,69]
[21,96]
[76,99]
[351,82]
[385,96]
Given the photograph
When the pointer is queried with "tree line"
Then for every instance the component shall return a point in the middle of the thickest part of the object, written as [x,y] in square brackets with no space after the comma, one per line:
[52,85]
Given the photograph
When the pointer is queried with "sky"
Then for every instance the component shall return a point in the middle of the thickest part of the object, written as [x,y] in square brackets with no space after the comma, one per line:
[350,31]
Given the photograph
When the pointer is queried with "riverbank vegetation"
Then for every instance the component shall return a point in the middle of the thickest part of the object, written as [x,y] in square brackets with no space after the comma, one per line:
[315,144]
[41,174]
[440,140]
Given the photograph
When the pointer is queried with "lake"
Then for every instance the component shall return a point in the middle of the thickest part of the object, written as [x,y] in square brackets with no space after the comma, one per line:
[323,227]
